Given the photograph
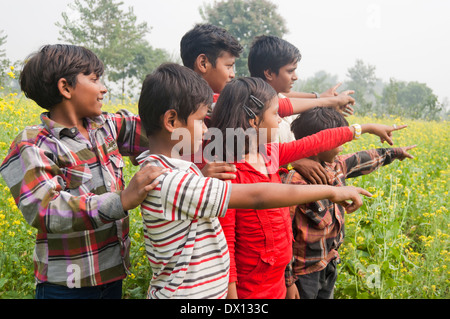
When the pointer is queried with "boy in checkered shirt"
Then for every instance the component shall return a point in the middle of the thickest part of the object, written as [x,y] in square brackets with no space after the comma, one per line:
[65,175]
[319,226]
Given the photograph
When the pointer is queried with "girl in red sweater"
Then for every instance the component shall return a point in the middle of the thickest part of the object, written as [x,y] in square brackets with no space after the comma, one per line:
[260,241]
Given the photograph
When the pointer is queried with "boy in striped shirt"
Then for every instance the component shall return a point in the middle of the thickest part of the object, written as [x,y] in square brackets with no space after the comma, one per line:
[184,241]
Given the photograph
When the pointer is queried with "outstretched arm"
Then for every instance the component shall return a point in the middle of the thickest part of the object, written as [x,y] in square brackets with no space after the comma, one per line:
[365,162]
[340,102]
[382,131]
[328,93]
[316,174]
[272,195]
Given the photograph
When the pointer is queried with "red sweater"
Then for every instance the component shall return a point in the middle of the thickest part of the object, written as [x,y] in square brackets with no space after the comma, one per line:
[260,241]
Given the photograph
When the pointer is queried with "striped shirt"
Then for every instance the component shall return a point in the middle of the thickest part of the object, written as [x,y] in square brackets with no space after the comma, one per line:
[319,226]
[68,188]
[184,241]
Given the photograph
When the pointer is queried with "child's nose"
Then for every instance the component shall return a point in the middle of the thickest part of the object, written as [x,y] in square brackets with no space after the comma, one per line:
[103,88]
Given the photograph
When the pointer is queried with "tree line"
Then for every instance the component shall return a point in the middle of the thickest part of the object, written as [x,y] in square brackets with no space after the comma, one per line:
[374,97]
[115,35]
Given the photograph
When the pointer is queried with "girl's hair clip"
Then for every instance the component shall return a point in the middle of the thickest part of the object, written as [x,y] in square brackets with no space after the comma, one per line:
[249,112]
[257,101]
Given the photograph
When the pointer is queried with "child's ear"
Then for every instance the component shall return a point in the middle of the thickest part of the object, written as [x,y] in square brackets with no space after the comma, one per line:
[268,74]
[64,88]
[170,120]
[253,122]
[201,63]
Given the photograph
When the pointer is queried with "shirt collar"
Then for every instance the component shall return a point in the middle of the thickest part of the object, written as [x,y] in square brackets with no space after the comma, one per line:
[172,163]
[58,130]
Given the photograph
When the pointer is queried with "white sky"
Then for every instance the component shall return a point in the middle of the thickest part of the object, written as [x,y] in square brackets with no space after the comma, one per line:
[406,40]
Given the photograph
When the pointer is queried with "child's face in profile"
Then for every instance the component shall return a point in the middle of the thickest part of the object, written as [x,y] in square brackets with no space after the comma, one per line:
[285,79]
[196,128]
[87,95]
[268,126]
[218,76]
[330,156]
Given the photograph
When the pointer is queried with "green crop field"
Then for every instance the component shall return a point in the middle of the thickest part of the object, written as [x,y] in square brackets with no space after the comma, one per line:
[396,245]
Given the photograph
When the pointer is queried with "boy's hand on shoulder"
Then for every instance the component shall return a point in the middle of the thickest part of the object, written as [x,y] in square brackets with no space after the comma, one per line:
[349,197]
[140,184]
[312,171]
[220,170]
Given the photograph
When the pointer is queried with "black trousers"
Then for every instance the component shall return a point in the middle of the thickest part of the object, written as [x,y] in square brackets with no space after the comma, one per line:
[318,285]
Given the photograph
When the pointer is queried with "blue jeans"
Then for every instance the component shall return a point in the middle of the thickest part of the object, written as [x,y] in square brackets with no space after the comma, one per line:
[112,290]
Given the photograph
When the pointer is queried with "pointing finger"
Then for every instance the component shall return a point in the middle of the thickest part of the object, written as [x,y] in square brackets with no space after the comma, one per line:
[364,192]
[388,140]
[337,86]
[399,127]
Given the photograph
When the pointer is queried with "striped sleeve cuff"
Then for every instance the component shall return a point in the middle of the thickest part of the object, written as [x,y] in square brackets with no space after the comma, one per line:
[225,198]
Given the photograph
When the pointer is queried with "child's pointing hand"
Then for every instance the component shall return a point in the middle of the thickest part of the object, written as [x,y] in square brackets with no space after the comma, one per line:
[349,197]
[405,153]
[383,131]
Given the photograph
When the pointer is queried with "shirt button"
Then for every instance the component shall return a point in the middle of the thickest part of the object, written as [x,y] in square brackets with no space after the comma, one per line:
[108,184]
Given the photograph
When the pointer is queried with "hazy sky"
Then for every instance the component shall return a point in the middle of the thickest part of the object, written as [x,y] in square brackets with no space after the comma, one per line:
[406,40]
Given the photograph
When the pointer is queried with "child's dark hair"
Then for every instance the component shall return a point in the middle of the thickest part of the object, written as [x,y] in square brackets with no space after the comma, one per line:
[171,87]
[316,120]
[43,69]
[210,40]
[271,53]
[241,99]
